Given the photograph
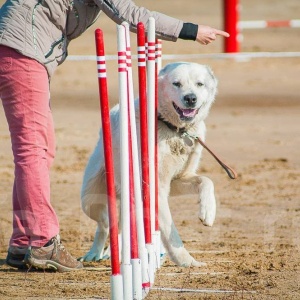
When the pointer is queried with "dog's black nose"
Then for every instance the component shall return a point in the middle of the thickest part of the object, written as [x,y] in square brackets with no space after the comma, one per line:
[190,100]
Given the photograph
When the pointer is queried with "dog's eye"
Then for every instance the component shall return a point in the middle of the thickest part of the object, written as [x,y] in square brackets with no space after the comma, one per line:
[199,84]
[177,84]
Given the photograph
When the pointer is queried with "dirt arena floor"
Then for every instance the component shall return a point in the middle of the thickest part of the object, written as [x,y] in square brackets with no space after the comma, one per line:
[253,249]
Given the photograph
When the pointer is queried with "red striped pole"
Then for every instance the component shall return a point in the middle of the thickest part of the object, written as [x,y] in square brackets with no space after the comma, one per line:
[158,45]
[137,256]
[124,164]
[150,70]
[116,278]
[231,18]
[158,53]
[145,151]
[158,63]
[133,231]
[144,130]
[151,118]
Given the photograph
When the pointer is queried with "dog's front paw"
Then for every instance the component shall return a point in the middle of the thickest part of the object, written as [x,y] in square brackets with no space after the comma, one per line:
[95,255]
[198,264]
[193,263]
[181,257]
[90,257]
[207,210]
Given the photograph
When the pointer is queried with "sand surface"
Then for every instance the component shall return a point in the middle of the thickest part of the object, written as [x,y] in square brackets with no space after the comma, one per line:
[252,251]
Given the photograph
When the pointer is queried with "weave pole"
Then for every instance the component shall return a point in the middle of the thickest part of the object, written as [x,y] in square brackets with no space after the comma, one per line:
[151,114]
[124,164]
[152,117]
[143,231]
[139,255]
[144,148]
[158,63]
[116,279]
[158,55]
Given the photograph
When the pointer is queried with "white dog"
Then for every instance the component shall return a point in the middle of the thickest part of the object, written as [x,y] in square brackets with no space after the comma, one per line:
[186,93]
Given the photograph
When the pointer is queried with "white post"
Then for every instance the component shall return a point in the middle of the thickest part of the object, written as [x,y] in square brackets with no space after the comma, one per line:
[124,152]
[140,266]
[116,283]
[151,124]
[158,63]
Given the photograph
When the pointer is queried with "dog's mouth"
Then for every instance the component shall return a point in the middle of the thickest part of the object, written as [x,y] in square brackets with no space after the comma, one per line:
[186,114]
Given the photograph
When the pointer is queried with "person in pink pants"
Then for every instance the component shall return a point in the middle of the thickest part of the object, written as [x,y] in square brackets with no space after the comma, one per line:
[34,39]
[24,91]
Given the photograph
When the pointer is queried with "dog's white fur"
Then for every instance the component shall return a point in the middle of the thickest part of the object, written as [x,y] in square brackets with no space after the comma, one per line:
[185,85]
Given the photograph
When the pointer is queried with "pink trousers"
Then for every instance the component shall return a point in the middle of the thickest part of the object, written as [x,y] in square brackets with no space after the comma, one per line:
[24,91]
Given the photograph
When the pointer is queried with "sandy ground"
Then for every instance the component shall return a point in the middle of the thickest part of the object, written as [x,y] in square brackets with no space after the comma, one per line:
[252,251]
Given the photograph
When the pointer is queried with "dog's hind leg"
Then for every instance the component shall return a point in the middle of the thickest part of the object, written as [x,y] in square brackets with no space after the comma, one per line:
[97,251]
[94,205]
[204,188]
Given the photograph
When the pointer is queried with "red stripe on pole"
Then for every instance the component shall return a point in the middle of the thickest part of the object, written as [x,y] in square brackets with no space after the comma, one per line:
[128,57]
[122,61]
[109,165]
[146,285]
[231,18]
[278,24]
[144,139]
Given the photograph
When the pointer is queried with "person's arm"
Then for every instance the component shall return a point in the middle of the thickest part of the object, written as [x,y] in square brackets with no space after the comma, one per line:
[201,33]
[167,28]
[207,34]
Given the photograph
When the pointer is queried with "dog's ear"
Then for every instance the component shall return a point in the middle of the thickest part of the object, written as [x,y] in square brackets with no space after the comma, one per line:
[167,68]
[163,71]
[212,81]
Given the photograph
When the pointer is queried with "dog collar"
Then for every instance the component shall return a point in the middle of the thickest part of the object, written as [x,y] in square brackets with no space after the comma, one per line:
[180,130]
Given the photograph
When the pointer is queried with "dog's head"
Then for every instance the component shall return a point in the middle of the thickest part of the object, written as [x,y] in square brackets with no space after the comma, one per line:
[186,92]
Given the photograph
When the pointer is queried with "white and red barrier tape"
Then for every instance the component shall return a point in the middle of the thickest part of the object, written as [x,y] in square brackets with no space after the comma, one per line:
[241,55]
[268,24]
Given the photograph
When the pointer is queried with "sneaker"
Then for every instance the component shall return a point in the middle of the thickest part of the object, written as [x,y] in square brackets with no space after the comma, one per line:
[53,256]
[15,257]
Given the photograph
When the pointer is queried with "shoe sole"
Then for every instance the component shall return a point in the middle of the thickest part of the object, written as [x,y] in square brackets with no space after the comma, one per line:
[16,260]
[21,265]
[48,264]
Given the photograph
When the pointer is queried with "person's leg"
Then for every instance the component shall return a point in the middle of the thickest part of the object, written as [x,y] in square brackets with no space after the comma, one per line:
[24,90]
[19,223]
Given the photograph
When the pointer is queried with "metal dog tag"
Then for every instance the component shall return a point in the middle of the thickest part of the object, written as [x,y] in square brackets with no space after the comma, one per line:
[188,140]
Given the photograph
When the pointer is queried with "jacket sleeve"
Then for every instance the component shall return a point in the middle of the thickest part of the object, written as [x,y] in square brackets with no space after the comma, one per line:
[167,28]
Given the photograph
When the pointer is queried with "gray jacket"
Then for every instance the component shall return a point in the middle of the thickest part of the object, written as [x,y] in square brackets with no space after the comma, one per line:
[42,29]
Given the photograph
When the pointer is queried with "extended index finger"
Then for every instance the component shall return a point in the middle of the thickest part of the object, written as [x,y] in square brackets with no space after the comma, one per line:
[221,32]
